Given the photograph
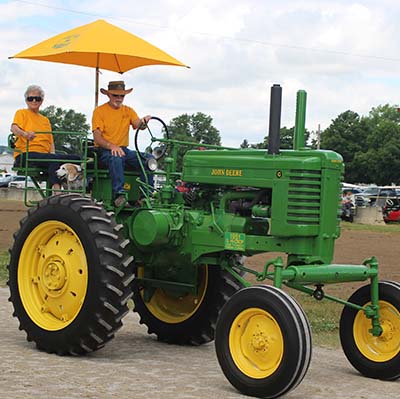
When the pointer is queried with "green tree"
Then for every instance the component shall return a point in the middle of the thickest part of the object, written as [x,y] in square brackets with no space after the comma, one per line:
[347,135]
[286,139]
[180,129]
[195,128]
[66,121]
[286,135]
[202,129]
[381,161]
[385,112]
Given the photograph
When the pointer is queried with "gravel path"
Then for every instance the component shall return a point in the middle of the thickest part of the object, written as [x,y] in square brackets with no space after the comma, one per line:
[135,365]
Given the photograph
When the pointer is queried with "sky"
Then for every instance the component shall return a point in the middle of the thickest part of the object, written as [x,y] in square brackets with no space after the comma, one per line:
[344,54]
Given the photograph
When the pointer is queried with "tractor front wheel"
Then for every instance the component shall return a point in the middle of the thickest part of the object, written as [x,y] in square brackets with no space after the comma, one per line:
[69,275]
[374,357]
[263,342]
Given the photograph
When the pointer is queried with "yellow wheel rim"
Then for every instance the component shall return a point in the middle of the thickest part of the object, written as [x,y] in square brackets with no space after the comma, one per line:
[256,343]
[387,345]
[176,309]
[52,275]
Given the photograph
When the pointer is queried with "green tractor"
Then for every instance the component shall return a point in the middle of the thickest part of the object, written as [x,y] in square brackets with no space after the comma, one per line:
[76,261]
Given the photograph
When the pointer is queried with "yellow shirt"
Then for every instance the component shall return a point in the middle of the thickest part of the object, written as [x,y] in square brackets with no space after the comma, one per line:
[30,121]
[114,123]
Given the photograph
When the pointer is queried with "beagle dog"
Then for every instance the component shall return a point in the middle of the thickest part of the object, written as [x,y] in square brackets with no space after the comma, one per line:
[71,176]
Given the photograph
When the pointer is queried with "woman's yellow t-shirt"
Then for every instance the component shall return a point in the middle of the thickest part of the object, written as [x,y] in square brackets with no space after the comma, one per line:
[114,123]
[30,121]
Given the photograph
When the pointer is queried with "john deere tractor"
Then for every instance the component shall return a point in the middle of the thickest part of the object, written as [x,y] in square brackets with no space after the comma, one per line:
[77,261]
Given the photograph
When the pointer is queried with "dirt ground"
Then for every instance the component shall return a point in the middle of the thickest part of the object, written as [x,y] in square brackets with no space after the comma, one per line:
[135,365]
[11,212]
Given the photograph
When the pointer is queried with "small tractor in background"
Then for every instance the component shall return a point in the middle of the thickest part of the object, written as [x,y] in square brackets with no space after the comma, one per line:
[77,261]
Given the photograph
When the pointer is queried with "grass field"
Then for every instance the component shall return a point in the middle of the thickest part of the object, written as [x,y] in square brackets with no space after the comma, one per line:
[379,228]
[323,317]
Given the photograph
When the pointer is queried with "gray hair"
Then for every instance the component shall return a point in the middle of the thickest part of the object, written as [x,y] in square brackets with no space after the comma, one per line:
[34,88]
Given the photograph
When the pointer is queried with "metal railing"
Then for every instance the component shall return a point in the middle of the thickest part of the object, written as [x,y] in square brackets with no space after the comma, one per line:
[29,166]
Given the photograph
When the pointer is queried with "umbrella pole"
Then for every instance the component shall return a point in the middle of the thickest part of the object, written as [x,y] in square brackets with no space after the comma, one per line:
[96,95]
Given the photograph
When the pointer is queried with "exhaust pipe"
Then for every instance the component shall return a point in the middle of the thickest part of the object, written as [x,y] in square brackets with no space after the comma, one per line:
[274,139]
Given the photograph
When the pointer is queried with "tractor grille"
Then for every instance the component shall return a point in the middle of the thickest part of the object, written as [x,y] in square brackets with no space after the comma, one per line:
[304,197]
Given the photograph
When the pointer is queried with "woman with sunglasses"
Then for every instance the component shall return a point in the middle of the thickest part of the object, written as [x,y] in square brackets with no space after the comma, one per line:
[26,125]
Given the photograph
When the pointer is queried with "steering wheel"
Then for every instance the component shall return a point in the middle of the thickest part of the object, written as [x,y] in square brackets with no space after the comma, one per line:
[162,149]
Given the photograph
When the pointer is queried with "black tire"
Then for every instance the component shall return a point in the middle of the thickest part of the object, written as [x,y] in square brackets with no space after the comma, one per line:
[70,275]
[374,357]
[174,320]
[263,342]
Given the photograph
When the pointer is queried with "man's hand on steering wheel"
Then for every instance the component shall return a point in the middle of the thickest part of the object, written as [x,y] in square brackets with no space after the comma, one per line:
[144,121]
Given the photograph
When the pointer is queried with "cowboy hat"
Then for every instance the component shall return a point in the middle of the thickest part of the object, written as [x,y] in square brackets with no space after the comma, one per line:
[117,87]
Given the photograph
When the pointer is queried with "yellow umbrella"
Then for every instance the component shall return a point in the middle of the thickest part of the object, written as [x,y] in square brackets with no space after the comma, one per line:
[99,45]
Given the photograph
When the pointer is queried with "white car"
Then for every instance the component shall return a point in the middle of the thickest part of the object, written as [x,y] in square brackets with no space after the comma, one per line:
[376,196]
[5,178]
[21,182]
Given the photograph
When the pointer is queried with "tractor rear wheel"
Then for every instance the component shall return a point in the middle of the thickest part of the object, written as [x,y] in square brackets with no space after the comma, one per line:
[374,357]
[188,319]
[69,275]
[263,342]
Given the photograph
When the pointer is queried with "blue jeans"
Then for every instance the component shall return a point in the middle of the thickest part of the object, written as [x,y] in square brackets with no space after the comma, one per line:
[116,165]
[50,166]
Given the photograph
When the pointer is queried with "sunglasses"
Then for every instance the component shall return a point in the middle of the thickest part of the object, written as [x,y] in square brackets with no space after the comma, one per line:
[34,98]
[118,95]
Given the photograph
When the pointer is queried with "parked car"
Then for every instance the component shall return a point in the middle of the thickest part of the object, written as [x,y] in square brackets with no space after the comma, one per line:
[352,190]
[363,198]
[20,182]
[375,196]
[5,178]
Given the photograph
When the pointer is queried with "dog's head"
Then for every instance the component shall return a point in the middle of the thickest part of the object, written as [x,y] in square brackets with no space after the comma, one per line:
[71,176]
[69,172]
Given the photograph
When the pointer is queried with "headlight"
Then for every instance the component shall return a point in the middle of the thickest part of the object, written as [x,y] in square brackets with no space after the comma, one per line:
[152,164]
